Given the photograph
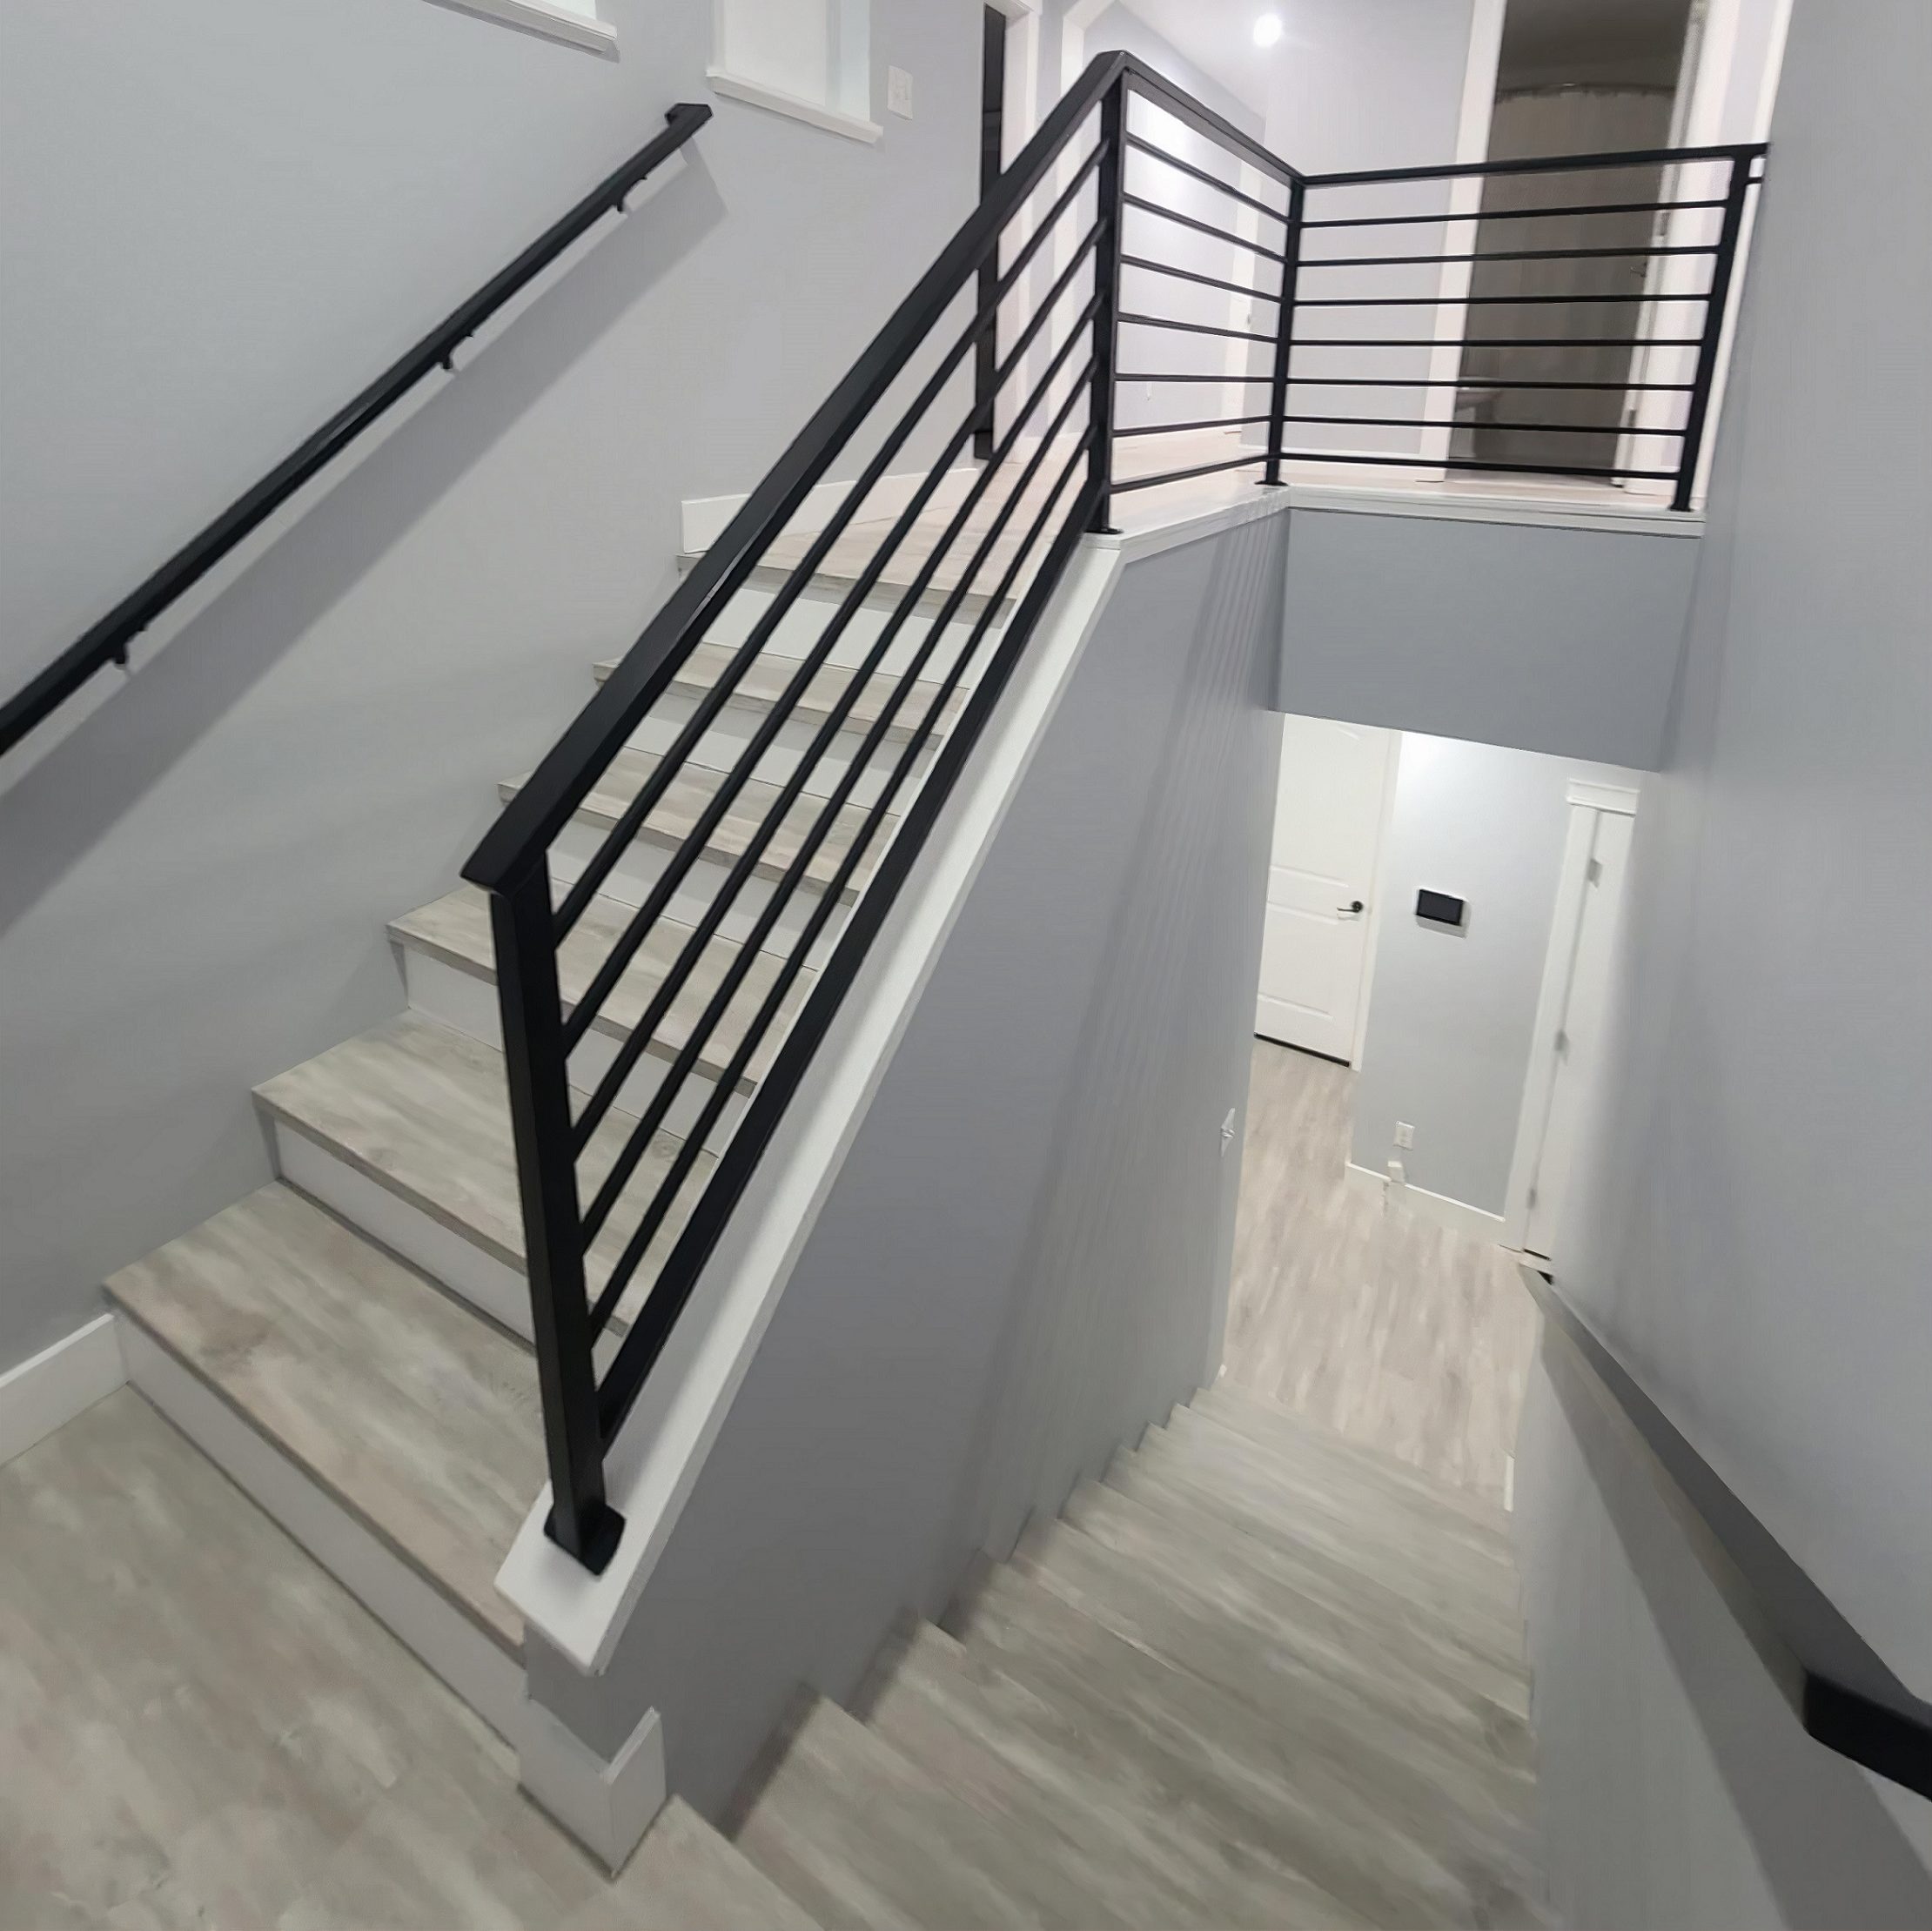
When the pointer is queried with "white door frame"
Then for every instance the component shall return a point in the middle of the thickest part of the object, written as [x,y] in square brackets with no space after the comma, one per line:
[1586,801]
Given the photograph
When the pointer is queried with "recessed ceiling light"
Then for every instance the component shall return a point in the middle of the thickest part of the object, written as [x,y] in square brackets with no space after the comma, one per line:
[1267,29]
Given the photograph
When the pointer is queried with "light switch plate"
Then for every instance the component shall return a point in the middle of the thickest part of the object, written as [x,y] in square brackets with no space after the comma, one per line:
[899,92]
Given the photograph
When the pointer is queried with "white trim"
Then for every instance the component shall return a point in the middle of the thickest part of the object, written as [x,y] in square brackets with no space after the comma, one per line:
[1636,519]
[755,93]
[703,519]
[1377,878]
[552,21]
[606,1806]
[1438,1207]
[1603,797]
[658,1458]
[48,1390]
[478,1668]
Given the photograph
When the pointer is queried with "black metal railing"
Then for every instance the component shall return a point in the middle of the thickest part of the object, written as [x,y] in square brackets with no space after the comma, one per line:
[109,641]
[1551,318]
[1134,216]
[1841,1691]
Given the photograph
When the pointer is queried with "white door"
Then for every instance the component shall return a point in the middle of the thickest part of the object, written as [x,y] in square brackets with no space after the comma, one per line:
[1581,1018]
[1329,811]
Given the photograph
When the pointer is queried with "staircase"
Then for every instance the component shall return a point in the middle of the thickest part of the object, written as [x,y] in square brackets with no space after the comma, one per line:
[1259,1676]
[367,1314]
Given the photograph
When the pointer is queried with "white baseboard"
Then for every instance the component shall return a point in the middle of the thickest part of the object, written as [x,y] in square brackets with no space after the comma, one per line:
[1438,1207]
[704,518]
[474,1664]
[606,1806]
[48,1390]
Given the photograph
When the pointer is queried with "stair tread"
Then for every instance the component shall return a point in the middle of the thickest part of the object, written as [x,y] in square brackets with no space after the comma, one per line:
[1484,1653]
[859,1835]
[765,678]
[1350,1637]
[1012,1755]
[1351,1532]
[1160,1606]
[674,817]
[421,1418]
[1324,1796]
[456,928]
[1266,1421]
[423,1110]
[685,1876]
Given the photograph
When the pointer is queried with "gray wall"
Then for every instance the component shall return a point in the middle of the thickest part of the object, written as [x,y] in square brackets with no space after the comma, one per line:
[1557,640]
[1451,1013]
[1753,1212]
[1024,1258]
[193,886]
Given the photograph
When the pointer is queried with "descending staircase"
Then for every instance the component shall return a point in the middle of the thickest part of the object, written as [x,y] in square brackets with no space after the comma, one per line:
[366,1316]
[1258,1676]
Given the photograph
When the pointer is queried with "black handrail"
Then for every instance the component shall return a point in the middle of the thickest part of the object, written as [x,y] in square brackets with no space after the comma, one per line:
[1048,452]
[107,641]
[1841,1690]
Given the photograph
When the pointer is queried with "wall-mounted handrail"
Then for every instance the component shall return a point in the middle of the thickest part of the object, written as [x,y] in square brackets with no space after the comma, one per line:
[1841,1690]
[108,641]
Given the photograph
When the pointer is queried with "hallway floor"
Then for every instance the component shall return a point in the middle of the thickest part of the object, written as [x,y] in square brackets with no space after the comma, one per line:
[1361,1315]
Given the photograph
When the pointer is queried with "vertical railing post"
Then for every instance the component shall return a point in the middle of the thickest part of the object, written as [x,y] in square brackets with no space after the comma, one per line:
[1106,321]
[1717,305]
[581,1522]
[1284,336]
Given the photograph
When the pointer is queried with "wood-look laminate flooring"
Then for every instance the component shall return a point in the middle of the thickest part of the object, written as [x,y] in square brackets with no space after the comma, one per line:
[1365,1316]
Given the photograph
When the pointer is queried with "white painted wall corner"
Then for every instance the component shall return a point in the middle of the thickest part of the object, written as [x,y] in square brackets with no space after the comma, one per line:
[48,1390]
[606,1806]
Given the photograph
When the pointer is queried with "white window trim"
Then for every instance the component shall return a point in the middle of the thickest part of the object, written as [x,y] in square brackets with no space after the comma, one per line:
[813,113]
[554,19]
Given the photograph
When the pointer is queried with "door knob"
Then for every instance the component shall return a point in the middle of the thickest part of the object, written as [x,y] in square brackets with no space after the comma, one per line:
[1353,906]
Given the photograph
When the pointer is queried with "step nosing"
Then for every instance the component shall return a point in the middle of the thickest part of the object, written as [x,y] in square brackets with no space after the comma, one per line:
[507,1636]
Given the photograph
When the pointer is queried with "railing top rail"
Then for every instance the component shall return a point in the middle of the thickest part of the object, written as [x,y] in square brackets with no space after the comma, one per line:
[107,641]
[1848,1697]
[531,820]
[1543,164]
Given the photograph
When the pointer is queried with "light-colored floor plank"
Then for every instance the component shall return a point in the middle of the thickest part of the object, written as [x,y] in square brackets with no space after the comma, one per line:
[1357,1313]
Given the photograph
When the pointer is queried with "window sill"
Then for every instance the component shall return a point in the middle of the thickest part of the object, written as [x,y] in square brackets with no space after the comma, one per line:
[548,17]
[736,87]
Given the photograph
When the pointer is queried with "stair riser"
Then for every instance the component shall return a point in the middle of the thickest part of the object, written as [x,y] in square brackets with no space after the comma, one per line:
[630,880]
[467,1002]
[801,627]
[733,729]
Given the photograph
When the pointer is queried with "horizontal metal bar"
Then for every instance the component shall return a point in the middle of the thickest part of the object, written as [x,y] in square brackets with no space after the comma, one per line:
[1202,174]
[1501,254]
[1486,301]
[107,641]
[1541,428]
[1188,275]
[1190,328]
[1498,342]
[1419,461]
[1157,376]
[1509,214]
[1182,475]
[1201,227]
[1559,164]
[1174,428]
[1450,382]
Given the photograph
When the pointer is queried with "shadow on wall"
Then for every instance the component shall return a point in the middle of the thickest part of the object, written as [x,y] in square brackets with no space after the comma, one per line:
[1671,1713]
[59,810]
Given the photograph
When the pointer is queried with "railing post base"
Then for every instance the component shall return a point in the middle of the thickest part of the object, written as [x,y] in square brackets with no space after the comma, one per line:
[598,1535]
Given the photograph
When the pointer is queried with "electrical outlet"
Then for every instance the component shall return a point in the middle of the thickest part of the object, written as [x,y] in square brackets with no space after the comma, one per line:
[1404,1134]
[899,92]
